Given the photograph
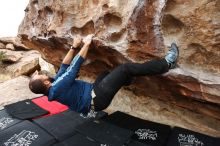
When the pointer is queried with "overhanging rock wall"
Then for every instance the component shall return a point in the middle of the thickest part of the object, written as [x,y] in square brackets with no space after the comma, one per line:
[140,30]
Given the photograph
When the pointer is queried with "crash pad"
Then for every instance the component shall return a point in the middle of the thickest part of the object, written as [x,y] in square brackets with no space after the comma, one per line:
[53,107]
[6,120]
[25,134]
[184,137]
[25,109]
[105,133]
[144,131]
[62,125]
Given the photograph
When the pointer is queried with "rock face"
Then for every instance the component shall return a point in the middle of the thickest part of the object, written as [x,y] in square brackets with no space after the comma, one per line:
[28,63]
[16,63]
[11,56]
[2,46]
[12,43]
[138,30]
[12,88]
[16,59]
[10,47]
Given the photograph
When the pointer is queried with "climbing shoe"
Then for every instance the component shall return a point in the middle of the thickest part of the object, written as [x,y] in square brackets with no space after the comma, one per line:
[172,56]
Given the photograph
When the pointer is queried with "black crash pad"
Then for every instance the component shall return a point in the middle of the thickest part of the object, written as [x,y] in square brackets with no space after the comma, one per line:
[184,137]
[217,142]
[25,109]
[6,120]
[25,134]
[62,125]
[136,143]
[105,133]
[147,132]
[78,140]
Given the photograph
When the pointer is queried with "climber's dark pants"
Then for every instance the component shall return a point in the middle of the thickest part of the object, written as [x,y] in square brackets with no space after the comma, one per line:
[107,84]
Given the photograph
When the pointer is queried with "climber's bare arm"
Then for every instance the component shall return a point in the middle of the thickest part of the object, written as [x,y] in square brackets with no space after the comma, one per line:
[69,56]
[84,50]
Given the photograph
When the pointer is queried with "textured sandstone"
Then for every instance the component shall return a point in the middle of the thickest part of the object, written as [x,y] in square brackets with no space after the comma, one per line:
[16,63]
[138,30]
[12,88]
[10,46]
[11,56]
[15,41]
[2,46]
[27,64]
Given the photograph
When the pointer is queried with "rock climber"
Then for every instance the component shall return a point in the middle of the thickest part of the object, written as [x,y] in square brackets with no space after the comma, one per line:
[82,96]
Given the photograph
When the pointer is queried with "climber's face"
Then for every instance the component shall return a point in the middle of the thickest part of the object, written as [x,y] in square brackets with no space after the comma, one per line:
[40,76]
[40,82]
[43,76]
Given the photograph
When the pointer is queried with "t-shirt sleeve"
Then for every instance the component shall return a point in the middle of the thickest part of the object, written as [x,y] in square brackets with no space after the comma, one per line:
[62,70]
[68,77]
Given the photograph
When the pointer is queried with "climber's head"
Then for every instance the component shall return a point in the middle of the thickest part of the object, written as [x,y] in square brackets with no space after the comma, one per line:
[40,82]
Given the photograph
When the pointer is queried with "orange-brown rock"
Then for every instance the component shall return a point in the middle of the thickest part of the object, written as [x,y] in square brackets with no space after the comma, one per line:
[138,30]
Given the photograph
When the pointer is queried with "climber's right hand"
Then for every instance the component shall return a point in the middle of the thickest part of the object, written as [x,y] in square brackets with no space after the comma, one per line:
[77,40]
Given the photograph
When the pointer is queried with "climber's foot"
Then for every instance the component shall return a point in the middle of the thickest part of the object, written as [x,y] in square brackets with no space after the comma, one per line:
[172,56]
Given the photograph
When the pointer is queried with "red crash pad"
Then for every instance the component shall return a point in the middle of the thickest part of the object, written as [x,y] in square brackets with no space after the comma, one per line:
[53,107]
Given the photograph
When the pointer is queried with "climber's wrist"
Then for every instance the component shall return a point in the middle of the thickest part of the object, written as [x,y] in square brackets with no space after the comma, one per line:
[73,47]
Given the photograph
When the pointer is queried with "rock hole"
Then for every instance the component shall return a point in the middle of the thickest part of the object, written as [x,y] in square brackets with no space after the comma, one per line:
[48,13]
[45,34]
[112,22]
[105,7]
[39,12]
[87,29]
[196,53]
[170,4]
[52,33]
[117,36]
[35,4]
[48,10]
[171,25]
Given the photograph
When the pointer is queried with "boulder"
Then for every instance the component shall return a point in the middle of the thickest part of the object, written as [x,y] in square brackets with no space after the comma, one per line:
[15,90]
[27,64]
[46,66]
[15,41]
[2,46]
[137,31]
[16,63]
[11,56]
[10,46]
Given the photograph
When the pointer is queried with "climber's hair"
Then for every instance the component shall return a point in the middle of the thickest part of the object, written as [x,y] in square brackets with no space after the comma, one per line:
[37,86]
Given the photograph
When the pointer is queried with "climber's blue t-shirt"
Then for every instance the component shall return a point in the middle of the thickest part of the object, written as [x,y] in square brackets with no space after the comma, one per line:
[76,94]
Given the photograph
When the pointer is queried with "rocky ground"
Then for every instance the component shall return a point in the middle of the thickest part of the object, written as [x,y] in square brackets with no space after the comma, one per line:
[17,63]
[16,59]
[15,90]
